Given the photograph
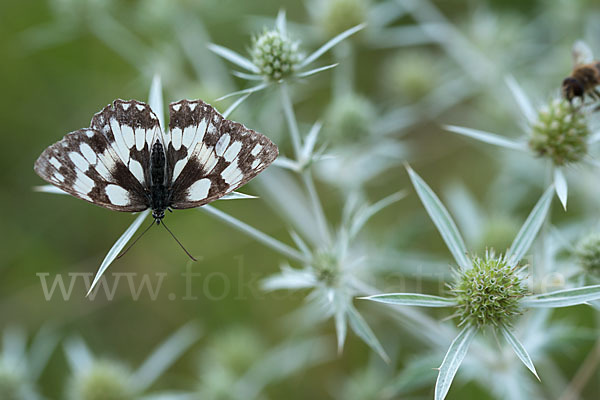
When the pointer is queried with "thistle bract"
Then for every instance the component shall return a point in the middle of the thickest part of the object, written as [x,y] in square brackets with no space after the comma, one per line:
[103,381]
[588,252]
[560,133]
[488,293]
[275,54]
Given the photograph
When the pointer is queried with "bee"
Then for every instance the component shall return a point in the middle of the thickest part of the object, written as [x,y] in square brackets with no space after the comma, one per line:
[585,76]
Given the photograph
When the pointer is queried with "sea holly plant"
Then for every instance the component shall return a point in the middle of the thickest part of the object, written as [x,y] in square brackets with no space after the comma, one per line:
[488,292]
[333,274]
[22,365]
[276,57]
[95,378]
[558,131]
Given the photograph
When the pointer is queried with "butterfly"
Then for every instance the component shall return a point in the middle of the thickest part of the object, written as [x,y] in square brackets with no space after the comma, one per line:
[125,162]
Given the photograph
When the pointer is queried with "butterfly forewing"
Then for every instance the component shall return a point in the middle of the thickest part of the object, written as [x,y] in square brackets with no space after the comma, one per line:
[130,128]
[85,165]
[210,156]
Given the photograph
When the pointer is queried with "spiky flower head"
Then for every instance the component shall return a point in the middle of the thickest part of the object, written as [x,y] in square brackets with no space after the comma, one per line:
[489,293]
[588,252]
[560,133]
[104,380]
[275,54]
[349,118]
[10,384]
[336,16]
[326,267]
[412,74]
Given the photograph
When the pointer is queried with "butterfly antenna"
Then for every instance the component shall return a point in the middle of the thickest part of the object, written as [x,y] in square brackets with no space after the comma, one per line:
[178,242]
[135,241]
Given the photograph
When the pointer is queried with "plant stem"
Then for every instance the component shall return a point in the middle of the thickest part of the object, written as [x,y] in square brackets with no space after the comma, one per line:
[316,205]
[317,208]
[265,239]
[290,117]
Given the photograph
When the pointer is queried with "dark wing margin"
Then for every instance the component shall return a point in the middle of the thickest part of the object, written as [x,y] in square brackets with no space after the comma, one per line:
[214,156]
[84,165]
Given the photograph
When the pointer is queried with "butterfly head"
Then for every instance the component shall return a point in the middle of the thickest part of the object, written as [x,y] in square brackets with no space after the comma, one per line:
[158,215]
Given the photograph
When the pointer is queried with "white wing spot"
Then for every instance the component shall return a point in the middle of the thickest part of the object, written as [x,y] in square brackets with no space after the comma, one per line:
[188,135]
[207,159]
[179,167]
[103,171]
[176,138]
[149,136]
[90,133]
[256,149]
[128,135]
[199,190]
[176,107]
[233,151]
[83,183]
[55,163]
[120,145]
[255,163]
[88,153]
[58,176]
[117,195]
[140,107]
[80,162]
[125,106]
[140,138]
[193,106]
[222,144]
[136,169]
[231,173]
[107,160]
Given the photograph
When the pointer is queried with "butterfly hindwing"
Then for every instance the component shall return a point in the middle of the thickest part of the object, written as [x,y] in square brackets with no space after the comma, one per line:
[85,165]
[214,156]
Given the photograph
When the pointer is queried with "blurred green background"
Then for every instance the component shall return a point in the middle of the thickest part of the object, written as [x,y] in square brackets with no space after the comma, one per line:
[62,61]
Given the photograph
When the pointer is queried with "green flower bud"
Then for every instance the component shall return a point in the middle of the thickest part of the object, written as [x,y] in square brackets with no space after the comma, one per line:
[337,16]
[349,118]
[326,267]
[560,133]
[489,293]
[103,381]
[275,54]
[412,74]
[588,252]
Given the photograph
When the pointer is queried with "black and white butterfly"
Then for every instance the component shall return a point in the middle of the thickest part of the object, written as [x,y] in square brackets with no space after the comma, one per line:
[125,162]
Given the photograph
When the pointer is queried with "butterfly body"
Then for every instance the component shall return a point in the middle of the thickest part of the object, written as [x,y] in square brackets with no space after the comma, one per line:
[158,191]
[126,162]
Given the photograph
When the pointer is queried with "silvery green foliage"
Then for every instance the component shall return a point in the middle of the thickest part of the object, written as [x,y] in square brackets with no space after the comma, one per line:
[543,135]
[333,261]
[476,310]
[21,364]
[97,378]
[237,364]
